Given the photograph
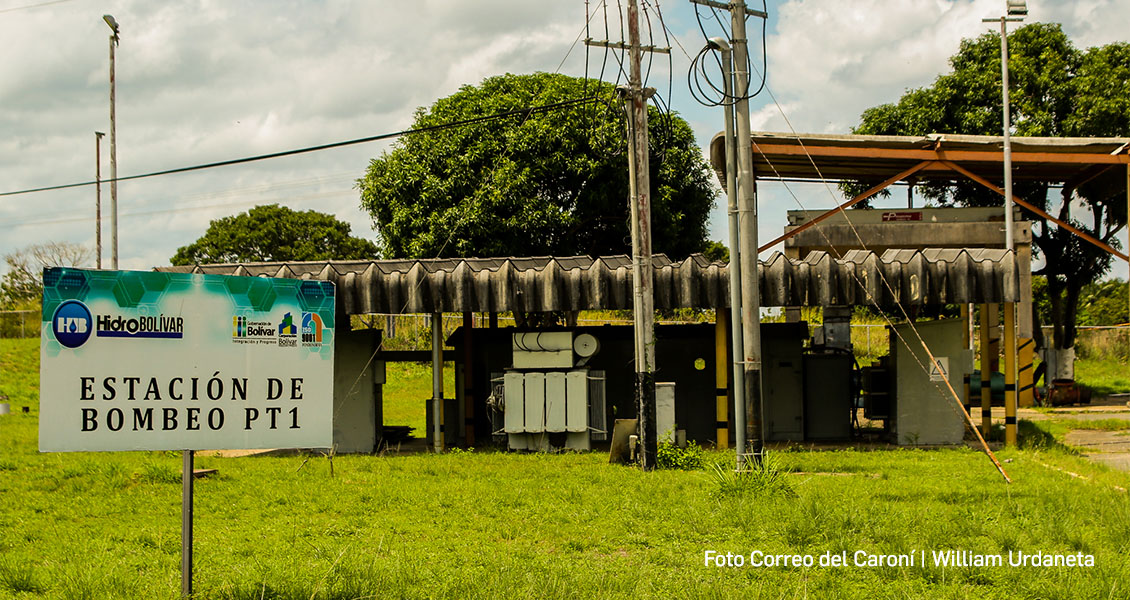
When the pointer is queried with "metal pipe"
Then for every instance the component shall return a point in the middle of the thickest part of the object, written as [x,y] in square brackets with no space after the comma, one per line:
[186,524]
[736,346]
[1008,242]
[113,159]
[747,225]
[437,382]
[98,197]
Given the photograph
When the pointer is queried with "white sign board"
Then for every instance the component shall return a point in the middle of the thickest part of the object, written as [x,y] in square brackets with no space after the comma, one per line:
[940,370]
[140,360]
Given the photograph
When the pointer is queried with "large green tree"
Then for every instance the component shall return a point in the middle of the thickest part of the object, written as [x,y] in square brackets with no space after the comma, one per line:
[546,183]
[275,233]
[1056,90]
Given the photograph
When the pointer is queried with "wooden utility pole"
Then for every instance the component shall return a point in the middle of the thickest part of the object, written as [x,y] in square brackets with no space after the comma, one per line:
[635,98]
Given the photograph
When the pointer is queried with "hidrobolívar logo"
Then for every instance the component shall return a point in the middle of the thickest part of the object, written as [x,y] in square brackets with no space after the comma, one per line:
[311,329]
[159,327]
[288,331]
[72,323]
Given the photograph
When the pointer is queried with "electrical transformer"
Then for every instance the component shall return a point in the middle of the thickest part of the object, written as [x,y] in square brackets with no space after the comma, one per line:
[550,399]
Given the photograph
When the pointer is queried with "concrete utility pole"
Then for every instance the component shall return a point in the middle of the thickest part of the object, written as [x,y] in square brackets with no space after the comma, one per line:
[113,147]
[98,195]
[635,98]
[747,225]
[643,305]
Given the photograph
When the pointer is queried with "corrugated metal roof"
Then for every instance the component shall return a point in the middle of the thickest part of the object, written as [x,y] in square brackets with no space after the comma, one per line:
[542,284]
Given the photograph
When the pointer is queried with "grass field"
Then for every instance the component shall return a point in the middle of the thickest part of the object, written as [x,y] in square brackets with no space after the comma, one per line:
[492,525]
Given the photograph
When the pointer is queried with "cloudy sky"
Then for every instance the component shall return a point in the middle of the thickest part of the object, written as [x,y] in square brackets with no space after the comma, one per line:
[207,80]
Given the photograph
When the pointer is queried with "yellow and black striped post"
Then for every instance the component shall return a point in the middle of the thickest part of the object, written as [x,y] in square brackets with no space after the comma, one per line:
[1025,356]
[965,316]
[986,373]
[721,378]
[1009,335]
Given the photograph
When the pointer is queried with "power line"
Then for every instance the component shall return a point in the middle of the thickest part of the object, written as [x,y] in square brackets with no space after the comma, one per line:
[27,6]
[373,138]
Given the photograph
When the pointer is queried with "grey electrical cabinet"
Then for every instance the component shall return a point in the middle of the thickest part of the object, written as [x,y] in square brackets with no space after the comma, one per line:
[924,410]
[782,378]
[828,396]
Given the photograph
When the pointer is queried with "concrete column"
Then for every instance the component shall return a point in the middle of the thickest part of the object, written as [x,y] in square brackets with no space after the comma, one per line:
[1024,307]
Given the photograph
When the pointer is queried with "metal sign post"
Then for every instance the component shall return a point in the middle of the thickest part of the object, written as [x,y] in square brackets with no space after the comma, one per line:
[186,525]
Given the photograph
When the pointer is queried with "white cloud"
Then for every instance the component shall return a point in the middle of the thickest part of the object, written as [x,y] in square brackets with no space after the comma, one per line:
[207,80]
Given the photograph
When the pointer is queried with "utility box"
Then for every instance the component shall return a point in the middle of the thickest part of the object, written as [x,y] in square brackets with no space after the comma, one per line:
[925,413]
[828,396]
[665,411]
[783,380]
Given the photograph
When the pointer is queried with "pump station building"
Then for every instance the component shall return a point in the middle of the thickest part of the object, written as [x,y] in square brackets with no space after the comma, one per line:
[564,386]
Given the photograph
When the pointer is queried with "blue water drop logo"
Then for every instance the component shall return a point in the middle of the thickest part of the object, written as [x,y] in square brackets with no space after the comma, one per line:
[72,323]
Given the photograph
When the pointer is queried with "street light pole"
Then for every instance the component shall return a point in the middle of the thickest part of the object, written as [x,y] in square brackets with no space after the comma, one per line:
[98,195]
[113,148]
[1015,11]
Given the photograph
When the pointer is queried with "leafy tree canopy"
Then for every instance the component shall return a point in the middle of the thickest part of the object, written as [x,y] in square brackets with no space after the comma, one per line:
[275,233]
[553,182]
[1055,90]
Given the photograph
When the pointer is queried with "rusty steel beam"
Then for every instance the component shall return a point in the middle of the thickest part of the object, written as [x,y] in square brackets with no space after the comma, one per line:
[856,200]
[1086,236]
[929,154]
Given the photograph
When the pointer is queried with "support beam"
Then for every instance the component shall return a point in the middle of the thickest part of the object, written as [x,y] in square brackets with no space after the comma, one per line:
[848,204]
[1010,373]
[1025,357]
[437,382]
[1039,211]
[994,337]
[965,316]
[468,386]
[986,375]
[721,389]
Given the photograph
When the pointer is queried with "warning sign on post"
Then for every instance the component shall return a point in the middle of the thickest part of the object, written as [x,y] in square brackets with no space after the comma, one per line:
[940,369]
[140,360]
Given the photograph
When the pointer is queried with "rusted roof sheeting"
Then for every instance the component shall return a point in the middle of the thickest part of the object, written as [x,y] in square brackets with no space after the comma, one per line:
[910,277]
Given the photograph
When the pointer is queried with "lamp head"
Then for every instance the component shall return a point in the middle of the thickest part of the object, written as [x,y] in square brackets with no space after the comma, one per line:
[1017,8]
[112,22]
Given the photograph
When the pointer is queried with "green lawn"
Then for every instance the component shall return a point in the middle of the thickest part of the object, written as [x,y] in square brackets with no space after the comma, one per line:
[1105,375]
[493,525]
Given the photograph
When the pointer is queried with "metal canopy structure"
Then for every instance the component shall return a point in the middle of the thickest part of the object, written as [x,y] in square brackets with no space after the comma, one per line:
[545,284]
[878,157]
[888,159]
